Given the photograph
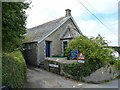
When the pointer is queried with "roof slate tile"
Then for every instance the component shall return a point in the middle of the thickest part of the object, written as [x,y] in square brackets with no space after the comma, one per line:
[40,31]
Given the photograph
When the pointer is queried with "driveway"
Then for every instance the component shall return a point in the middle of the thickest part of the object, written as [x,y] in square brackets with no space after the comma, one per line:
[39,78]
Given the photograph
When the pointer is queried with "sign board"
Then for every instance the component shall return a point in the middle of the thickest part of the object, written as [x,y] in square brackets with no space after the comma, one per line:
[53,65]
[80,57]
[74,53]
[81,61]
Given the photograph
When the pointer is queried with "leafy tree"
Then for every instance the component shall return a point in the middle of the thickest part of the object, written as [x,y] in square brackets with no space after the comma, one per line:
[93,49]
[13,25]
[95,53]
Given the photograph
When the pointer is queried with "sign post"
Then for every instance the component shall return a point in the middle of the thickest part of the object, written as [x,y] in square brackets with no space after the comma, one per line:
[80,58]
[55,68]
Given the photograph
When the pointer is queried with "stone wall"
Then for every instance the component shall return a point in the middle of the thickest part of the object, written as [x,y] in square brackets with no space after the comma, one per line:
[30,53]
[41,53]
[56,42]
[58,61]
[103,74]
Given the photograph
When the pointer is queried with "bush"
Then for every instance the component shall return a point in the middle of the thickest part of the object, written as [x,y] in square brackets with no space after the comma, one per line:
[95,53]
[82,70]
[92,49]
[13,70]
[117,64]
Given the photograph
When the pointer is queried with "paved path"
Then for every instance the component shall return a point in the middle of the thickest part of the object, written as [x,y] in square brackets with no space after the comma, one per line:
[38,78]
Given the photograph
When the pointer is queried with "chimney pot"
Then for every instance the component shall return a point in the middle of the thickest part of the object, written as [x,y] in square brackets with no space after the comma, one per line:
[68,12]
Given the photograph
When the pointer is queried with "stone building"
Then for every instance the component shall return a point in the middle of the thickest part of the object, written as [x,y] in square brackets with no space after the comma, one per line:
[50,39]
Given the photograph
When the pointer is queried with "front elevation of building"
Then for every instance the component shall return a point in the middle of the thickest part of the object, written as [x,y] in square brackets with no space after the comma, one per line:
[50,39]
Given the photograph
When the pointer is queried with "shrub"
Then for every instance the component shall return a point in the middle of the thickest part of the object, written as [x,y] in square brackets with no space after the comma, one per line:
[95,52]
[82,70]
[117,64]
[13,70]
[92,49]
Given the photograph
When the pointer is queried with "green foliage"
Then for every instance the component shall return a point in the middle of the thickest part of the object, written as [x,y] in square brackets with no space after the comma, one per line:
[80,69]
[94,52]
[13,25]
[92,49]
[13,70]
[117,64]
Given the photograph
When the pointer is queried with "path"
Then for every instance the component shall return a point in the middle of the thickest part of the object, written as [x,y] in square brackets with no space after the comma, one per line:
[38,78]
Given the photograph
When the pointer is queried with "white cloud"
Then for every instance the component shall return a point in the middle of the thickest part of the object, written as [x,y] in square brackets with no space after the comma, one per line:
[93,28]
[46,10]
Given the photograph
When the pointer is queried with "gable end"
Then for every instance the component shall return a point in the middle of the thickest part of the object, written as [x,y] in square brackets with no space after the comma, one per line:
[70,17]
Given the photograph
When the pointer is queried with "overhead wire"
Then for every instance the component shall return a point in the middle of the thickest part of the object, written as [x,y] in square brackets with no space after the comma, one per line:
[101,17]
[95,17]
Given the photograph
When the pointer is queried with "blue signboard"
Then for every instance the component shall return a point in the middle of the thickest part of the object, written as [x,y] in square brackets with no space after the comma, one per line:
[74,53]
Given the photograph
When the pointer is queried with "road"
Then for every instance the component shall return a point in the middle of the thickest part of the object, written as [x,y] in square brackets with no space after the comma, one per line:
[39,78]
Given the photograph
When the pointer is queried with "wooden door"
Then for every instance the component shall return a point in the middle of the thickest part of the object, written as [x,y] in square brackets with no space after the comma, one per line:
[47,48]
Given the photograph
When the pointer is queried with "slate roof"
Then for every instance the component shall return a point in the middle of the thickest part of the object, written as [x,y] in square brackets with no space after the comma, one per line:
[36,33]
[39,33]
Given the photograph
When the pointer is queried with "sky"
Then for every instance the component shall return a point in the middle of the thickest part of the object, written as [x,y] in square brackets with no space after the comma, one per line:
[42,11]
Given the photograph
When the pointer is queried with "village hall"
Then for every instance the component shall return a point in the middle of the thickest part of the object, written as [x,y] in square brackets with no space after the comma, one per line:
[50,38]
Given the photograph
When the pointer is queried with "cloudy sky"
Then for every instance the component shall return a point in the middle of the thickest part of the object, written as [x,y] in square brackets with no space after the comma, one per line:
[42,11]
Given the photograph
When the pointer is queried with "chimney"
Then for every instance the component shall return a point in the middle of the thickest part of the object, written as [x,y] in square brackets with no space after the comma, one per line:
[68,12]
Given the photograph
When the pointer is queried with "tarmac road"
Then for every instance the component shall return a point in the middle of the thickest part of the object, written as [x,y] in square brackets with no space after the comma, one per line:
[39,78]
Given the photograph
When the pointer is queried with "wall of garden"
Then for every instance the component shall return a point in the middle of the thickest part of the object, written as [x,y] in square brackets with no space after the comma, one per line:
[57,65]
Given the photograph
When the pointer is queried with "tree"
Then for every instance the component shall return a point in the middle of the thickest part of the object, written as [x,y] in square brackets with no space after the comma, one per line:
[13,25]
[93,49]
[96,55]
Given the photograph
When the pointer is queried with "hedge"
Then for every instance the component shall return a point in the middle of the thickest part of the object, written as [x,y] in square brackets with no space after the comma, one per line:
[95,53]
[13,70]
[82,69]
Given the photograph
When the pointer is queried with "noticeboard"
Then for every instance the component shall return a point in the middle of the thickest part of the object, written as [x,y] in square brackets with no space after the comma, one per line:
[74,53]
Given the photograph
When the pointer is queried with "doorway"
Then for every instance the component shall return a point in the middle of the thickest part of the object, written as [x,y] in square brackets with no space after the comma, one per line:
[48,50]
